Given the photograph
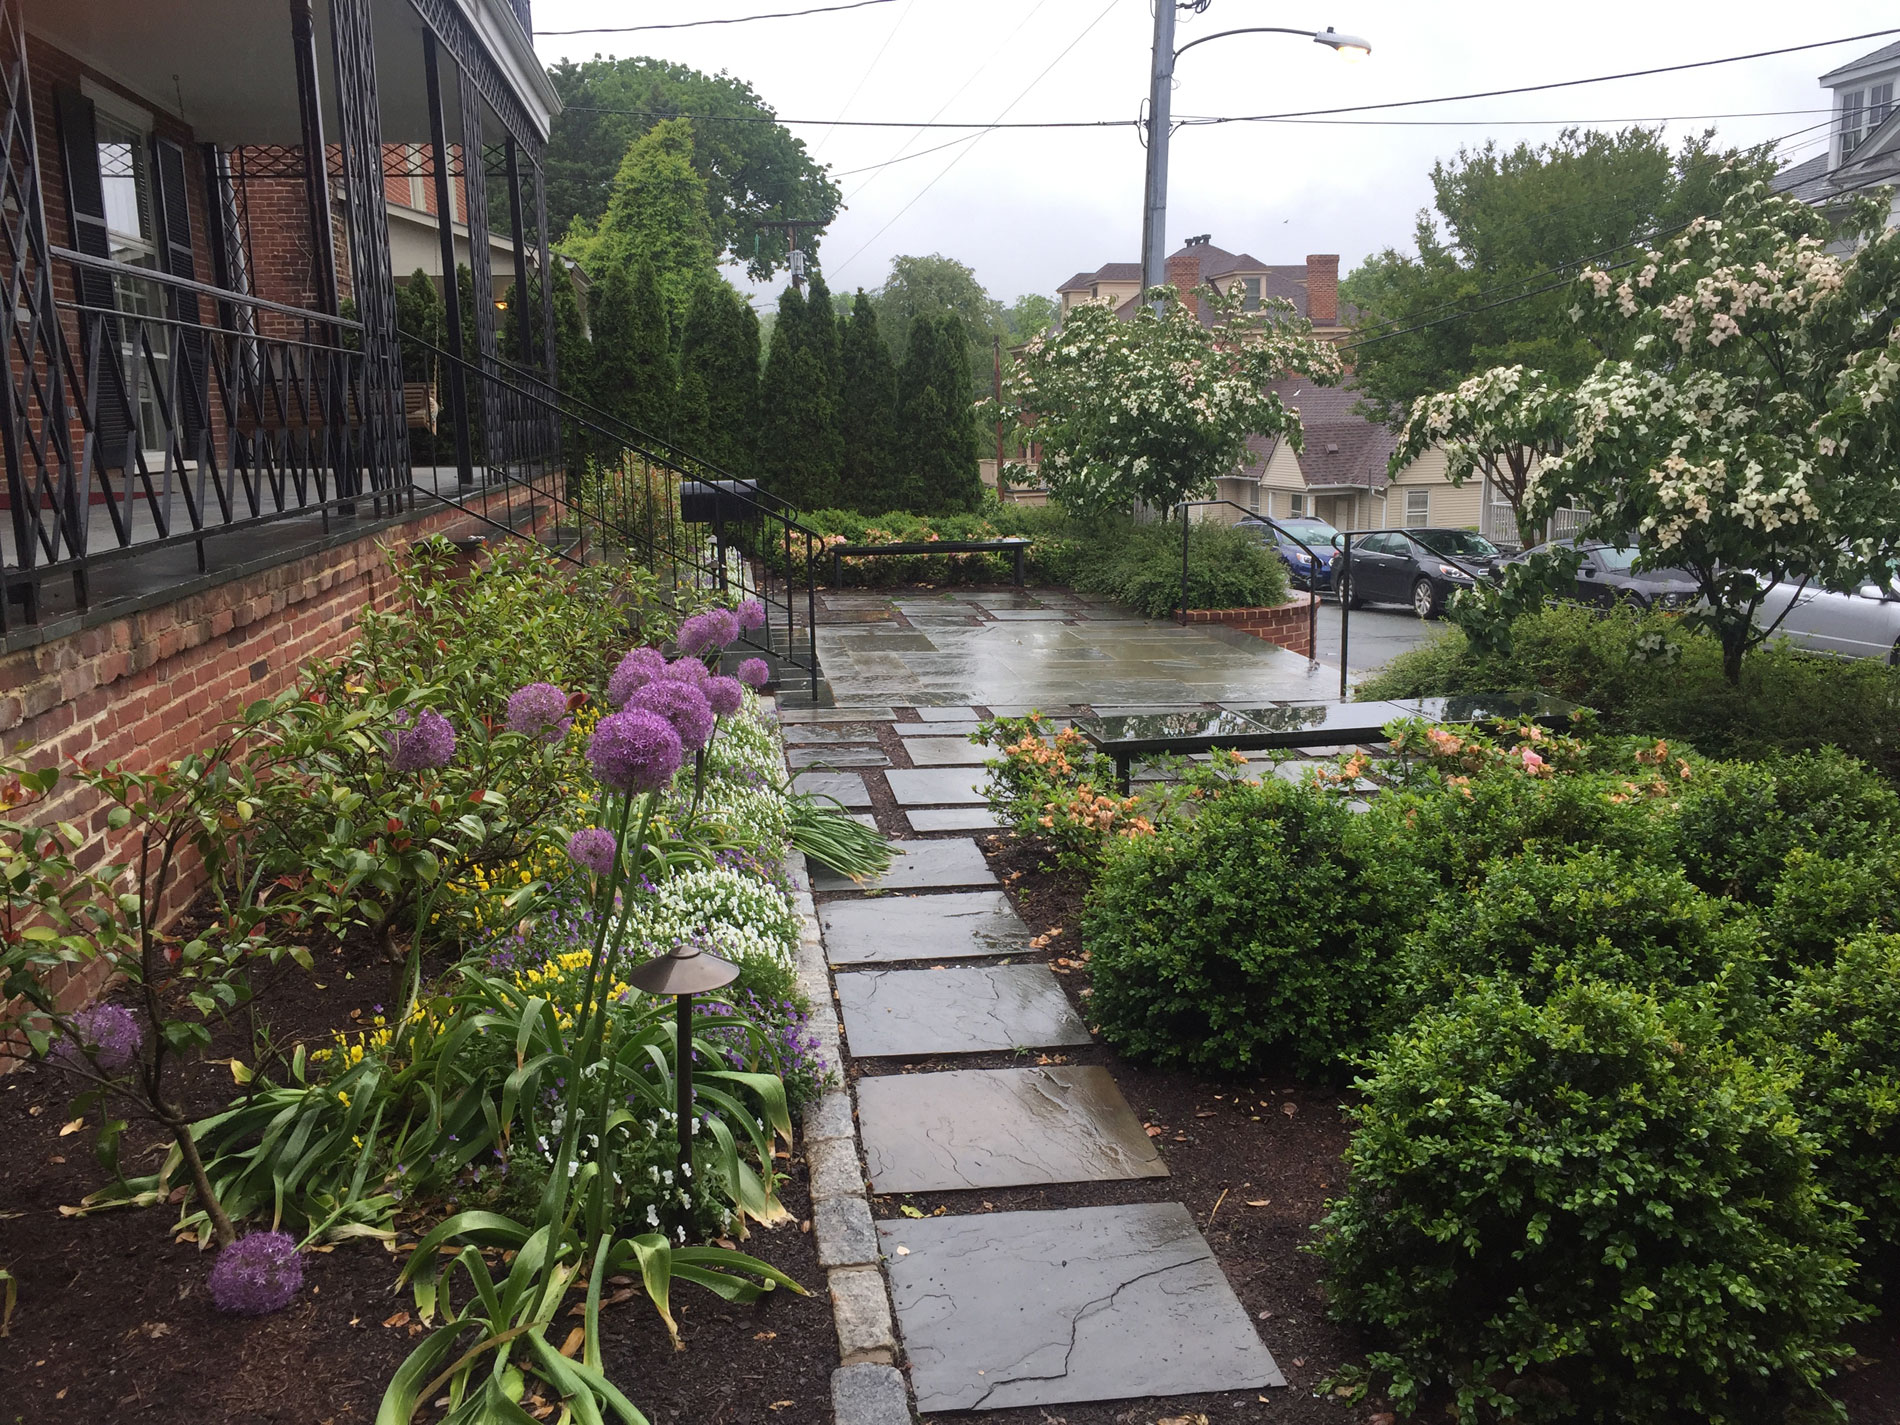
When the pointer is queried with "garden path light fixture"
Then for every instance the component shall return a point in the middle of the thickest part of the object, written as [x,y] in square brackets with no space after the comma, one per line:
[683,972]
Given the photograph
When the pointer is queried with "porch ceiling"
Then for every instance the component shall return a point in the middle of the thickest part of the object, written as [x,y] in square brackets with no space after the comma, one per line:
[225,66]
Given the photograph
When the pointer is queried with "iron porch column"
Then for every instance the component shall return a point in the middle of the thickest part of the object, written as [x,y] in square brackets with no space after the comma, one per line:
[445,230]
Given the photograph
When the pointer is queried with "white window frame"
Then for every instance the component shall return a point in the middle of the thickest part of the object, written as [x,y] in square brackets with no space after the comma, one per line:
[1422,499]
[1879,104]
[1853,121]
[1296,505]
[134,297]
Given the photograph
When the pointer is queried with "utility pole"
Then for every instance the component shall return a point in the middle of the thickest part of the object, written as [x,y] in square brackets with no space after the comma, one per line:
[1154,206]
[791,227]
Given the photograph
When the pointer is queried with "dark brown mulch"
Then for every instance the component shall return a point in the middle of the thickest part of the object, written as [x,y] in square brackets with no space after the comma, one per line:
[1269,1140]
[114,1322]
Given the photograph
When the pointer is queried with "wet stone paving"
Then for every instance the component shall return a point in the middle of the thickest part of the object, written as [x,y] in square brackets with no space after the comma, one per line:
[1030,1308]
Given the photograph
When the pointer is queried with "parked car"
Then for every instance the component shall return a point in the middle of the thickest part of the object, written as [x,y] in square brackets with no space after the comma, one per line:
[1604,577]
[1863,624]
[1420,567]
[1287,542]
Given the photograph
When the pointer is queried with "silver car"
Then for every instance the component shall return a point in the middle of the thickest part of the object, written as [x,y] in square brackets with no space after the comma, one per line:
[1863,624]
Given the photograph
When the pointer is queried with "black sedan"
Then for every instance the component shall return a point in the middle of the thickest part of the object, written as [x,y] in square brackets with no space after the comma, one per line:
[1605,577]
[1420,567]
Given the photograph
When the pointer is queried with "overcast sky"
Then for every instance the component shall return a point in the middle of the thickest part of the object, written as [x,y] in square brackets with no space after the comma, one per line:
[1026,209]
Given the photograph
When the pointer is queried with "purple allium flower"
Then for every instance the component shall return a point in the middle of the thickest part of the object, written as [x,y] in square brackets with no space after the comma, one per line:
[727,695]
[704,632]
[636,750]
[593,849]
[427,740]
[636,670]
[260,1272]
[751,614]
[685,670]
[754,673]
[110,1032]
[539,710]
[681,704]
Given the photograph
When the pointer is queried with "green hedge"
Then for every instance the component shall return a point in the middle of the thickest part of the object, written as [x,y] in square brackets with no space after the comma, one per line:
[1134,563]
[1586,1209]
[1645,674]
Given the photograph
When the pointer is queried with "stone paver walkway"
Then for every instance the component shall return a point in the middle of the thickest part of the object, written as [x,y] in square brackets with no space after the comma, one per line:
[1011,1308]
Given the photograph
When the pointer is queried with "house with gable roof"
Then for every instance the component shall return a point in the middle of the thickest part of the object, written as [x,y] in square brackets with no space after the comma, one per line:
[1863,147]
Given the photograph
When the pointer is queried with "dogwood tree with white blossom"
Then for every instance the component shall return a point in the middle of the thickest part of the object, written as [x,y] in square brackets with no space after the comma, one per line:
[1157,408]
[1498,424]
[1754,435]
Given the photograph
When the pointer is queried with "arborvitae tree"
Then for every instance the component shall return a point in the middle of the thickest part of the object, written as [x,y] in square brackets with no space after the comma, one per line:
[719,380]
[867,415]
[573,353]
[419,322]
[936,423]
[822,334]
[799,453]
[633,376]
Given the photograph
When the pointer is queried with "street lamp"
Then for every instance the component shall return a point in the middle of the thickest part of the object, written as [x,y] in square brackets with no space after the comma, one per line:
[1154,215]
[684,972]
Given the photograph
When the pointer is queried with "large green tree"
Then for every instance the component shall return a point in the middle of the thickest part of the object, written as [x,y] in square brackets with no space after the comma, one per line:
[656,212]
[799,451]
[867,415]
[633,376]
[920,287]
[936,419]
[753,169]
[719,379]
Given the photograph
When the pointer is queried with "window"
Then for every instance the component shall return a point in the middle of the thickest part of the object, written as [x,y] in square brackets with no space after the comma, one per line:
[1296,506]
[1253,497]
[1879,104]
[1418,508]
[1250,286]
[1853,116]
[125,180]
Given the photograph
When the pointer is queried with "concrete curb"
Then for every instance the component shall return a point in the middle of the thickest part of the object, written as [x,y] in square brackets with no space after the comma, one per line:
[867,1388]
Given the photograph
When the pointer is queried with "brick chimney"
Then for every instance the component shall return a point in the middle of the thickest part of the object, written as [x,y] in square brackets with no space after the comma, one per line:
[1322,288]
[1184,275]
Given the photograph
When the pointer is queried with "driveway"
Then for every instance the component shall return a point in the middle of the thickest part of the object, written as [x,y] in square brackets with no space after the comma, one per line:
[1378,635]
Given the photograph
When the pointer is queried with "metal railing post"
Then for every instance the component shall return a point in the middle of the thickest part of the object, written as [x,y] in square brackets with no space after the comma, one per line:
[1182,510]
[1342,586]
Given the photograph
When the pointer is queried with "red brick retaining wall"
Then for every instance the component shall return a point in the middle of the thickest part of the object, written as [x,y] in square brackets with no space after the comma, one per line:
[150,686]
[1285,624]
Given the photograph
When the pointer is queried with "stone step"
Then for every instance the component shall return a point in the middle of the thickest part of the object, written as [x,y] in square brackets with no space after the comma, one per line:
[962,925]
[919,865]
[962,1009]
[993,1128]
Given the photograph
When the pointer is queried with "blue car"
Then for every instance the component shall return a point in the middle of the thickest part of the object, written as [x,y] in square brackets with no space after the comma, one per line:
[1292,541]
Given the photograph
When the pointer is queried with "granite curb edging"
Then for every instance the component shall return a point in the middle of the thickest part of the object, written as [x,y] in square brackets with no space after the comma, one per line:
[866,1388]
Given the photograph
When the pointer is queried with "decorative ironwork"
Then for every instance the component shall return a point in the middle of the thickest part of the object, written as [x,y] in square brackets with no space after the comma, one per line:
[487,350]
[457,34]
[386,450]
[252,161]
[44,498]
[546,265]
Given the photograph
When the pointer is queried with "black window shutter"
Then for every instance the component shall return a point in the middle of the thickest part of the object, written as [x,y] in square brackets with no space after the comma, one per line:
[174,226]
[86,210]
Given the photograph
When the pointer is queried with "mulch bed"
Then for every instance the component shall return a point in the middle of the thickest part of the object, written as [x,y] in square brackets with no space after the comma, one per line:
[114,1321]
[1265,1139]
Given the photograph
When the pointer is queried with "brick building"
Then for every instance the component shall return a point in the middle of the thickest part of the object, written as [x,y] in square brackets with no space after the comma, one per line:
[204,432]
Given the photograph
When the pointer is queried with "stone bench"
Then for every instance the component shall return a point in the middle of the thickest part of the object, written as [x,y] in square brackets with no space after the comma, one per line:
[1016,546]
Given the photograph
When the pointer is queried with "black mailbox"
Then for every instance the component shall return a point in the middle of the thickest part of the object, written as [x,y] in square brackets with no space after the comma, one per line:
[720,502]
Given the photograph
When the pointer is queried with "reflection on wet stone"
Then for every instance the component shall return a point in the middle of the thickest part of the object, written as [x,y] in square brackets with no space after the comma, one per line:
[886,929]
[961,1010]
[917,865]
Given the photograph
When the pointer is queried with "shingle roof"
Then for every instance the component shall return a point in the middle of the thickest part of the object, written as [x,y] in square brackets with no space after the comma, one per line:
[1879,56]
[1107,272]
[1342,446]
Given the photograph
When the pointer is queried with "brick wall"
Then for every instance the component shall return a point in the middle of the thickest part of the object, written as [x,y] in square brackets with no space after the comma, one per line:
[1284,624]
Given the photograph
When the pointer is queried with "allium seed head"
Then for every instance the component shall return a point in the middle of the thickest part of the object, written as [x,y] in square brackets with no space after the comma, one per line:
[539,710]
[636,670]
[754,673]
[420,742]
[258,1273]
[707,631]
[110,1033]
[593,850]
[727,695]
[751,615]
[681,704]
[635,750]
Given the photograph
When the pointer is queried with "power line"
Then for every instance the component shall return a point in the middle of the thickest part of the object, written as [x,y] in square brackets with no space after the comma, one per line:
[1027,89]
[906,158]
[695,24]
[858,88]
[1246,118]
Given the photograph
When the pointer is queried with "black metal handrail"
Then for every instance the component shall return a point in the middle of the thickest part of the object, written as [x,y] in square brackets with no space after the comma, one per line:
[538,450]
[1312,604]
[197,289]
[1342,584]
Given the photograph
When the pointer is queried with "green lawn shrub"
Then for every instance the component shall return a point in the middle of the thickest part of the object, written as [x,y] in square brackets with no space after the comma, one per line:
[1822,900]
[1646,674]
[1545,923]
[1736,822]
[1259,930]
[1842,1027]
[1586,1209]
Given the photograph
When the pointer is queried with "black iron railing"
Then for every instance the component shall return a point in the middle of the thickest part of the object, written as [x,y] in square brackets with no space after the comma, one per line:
[175,430]
[1255,517]
[1342,584]
[618,492]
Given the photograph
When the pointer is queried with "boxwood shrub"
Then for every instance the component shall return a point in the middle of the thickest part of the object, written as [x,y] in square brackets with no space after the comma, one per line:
[1261,929]
[1586,1209]
[1821,900]
[1843,1026]
[1736,822]
[1545,923]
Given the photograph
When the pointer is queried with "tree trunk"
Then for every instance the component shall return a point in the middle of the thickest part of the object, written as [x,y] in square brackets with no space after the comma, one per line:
[1734,645]
[188,1149]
